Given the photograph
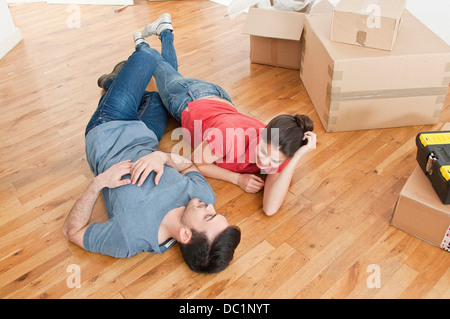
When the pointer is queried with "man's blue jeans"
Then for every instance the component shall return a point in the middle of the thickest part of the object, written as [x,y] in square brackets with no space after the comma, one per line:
[126,98]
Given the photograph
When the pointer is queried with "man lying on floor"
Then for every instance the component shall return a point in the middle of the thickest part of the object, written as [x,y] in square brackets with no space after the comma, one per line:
[152,198]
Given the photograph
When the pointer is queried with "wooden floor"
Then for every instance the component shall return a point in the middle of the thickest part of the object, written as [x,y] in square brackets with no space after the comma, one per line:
[333,225]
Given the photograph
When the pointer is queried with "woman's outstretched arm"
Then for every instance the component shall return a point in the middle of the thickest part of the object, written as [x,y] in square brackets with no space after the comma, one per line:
[277,185]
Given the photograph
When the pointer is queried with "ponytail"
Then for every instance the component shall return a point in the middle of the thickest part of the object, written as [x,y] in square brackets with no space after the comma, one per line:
[304,122]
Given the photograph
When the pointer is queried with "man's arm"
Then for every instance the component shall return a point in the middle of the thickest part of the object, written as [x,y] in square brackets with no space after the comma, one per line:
[77,221]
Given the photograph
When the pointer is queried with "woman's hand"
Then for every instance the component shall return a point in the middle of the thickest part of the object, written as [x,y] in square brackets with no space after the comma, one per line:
[145,165]
[250,183]
[309,146]
[112,177]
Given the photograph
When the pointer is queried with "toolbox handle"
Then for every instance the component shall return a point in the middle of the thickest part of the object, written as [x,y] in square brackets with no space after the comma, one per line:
[430,162]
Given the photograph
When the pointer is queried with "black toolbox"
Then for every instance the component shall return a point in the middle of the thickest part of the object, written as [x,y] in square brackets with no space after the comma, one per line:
[433,156]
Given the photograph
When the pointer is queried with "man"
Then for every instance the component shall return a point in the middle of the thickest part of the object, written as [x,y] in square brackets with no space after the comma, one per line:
[152,198]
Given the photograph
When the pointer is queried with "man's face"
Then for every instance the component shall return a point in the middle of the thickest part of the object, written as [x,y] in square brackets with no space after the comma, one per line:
[203,218]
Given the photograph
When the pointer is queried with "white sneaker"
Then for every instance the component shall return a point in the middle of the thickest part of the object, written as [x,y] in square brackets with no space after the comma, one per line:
[164,22]
[138,38]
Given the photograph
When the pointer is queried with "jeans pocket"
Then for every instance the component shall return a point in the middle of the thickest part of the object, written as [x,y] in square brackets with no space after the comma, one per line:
[177,104]
[222,93]
[185,83]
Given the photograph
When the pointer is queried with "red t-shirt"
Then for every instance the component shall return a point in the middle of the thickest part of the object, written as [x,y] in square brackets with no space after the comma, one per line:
[232,136]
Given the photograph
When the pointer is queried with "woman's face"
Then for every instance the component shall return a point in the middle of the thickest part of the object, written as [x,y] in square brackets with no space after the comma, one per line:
[268,156]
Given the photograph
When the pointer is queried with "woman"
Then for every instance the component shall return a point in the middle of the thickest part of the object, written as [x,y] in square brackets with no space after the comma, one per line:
[227,144]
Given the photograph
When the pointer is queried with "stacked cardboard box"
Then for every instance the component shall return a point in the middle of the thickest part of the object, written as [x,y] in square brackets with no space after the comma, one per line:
[369,23]
[355,88]
[402,82]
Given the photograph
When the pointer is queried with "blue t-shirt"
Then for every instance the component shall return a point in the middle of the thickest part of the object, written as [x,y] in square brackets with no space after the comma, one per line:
[135,213]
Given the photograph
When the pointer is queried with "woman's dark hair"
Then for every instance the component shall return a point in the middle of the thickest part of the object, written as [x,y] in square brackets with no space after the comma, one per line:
[291,130]
[204,257]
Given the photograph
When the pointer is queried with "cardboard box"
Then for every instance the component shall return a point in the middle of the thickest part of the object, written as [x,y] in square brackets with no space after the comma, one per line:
[368,23]
[420,212]
[356,88]
[275,35]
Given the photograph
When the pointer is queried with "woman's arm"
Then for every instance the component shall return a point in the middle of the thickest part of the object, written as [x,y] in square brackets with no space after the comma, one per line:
[277,184]
[204,159]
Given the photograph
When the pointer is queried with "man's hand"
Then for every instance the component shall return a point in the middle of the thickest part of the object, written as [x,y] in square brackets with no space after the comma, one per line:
[112,177]
[250,183]
[145,165]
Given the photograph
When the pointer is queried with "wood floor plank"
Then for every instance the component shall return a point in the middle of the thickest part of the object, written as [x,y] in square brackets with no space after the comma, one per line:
[267,275]
[307,274]
[212,286]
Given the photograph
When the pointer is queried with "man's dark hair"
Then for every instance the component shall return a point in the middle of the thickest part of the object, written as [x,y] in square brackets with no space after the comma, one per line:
[203,256]
[291,130]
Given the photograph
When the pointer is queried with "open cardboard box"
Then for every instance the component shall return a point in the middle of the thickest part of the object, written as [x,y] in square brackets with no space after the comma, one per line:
[358,88]
[369,23]
[420,212]
[275,35]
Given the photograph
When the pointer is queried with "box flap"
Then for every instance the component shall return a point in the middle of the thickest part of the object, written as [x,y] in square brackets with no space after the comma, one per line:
[323,6]
[274,24]
[386,8]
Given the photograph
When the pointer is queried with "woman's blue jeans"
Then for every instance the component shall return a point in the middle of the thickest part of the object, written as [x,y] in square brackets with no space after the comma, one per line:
[175,90]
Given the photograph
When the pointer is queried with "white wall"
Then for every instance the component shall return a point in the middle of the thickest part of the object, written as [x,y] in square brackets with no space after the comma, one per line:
[9,34]
[433,13]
